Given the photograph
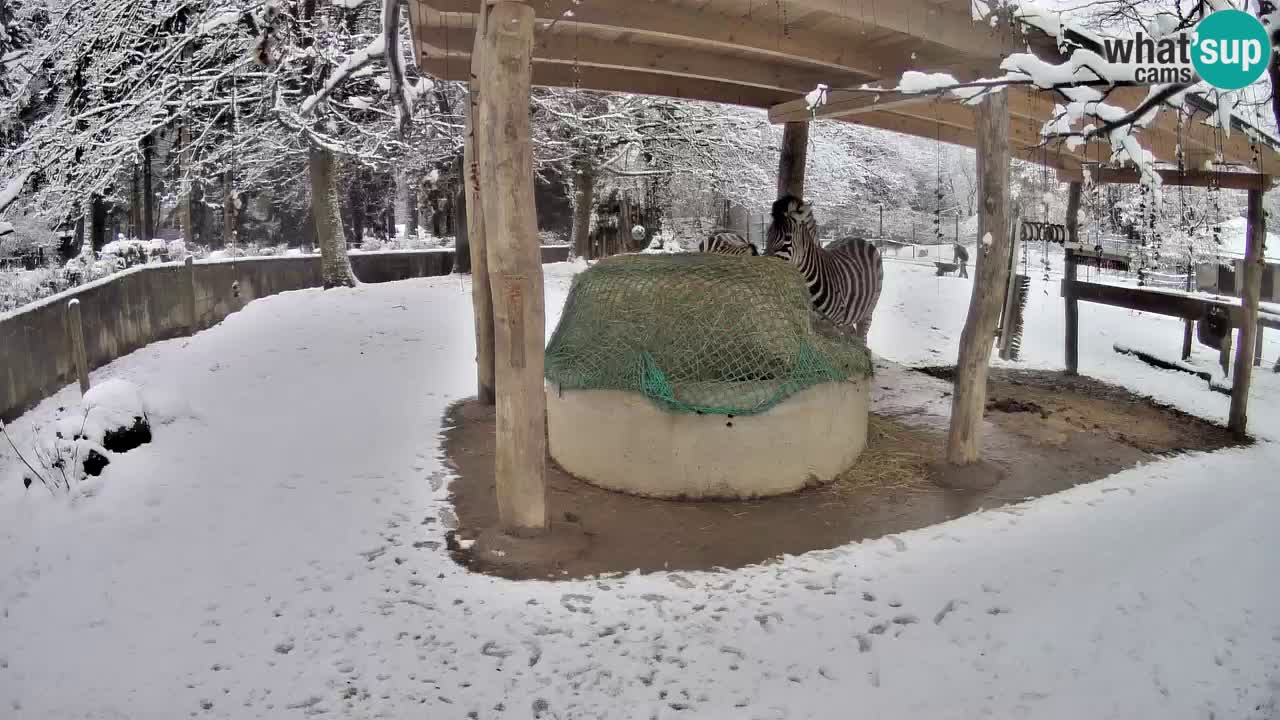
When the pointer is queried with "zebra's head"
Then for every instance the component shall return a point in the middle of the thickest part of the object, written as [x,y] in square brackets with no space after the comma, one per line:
[791,216]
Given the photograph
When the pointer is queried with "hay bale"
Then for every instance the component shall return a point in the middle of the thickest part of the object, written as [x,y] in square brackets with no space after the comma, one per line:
[697,332]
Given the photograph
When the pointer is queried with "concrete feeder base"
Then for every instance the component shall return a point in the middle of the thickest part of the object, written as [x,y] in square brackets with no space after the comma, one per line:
[625,442]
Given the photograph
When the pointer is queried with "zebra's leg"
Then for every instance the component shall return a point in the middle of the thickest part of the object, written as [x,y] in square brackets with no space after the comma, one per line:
[863,328]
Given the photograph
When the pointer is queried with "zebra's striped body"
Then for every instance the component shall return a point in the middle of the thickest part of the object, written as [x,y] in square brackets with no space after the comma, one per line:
[724,242]
[844,279]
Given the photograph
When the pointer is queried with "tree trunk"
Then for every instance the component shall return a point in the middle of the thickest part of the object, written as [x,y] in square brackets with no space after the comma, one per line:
[186,215]
[1254,254]
[405,214]
[355,200]
[462,237]
[148,199]
[135,205]
[335,266]
[97,223]
[230,224]
[515,267]
[990,274]
[584,192]
[478,255]
[1072,305]
[424,207]
[791,162]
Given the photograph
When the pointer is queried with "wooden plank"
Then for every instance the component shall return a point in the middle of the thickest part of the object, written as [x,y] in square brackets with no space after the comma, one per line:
[515,268]
[1008,327]
[189,296]
[707,64]
[1188,307]
[481,291]
[1232,180]
[655,22]
[964,441]
[792,159]
[75,330]
[950,24]
[1135,298]
[1072,305]
[1238,417]
[626,81]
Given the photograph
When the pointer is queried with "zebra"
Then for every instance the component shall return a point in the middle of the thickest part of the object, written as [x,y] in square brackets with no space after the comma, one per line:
[844,279]
[725,242]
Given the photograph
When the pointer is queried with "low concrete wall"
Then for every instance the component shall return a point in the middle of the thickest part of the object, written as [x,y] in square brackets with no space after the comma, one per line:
[625,442]
[139,306]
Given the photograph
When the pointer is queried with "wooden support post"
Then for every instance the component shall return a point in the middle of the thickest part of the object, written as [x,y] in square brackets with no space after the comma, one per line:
[1188,325]
[79,358]
[1237,419]
[481,292]
[190,271]
[791,161]
[991,268]
[515,265]
[1257,348]
[1072,358]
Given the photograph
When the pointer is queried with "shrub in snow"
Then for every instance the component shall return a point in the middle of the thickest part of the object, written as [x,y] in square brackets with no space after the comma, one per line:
[112,419]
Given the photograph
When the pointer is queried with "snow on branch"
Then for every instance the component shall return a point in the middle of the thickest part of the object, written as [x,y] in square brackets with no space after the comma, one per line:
[1089,72]
[374,50]
[13,189]
[401,93]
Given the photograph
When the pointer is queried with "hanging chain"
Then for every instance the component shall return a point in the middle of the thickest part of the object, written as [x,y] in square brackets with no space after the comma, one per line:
[1215,188]
[937,206]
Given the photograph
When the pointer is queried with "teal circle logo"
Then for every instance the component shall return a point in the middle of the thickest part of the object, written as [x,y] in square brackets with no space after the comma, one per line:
[1231,49]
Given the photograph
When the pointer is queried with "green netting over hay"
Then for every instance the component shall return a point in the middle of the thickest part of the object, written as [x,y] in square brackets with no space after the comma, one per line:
[698,333]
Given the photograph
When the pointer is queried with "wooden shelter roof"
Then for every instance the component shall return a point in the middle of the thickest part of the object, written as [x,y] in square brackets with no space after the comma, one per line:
[769,53]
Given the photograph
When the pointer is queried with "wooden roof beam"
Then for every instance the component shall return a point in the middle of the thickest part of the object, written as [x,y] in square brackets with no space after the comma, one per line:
[657,20]
[1196,178]
[656,23]
[623,81]
[948,24]
[670,60]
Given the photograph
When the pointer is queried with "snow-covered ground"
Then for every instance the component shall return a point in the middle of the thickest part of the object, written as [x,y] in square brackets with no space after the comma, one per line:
[276,553]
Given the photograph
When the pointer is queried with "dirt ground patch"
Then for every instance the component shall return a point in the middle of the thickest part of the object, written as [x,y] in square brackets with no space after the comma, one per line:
[1050,408]
[1047,432]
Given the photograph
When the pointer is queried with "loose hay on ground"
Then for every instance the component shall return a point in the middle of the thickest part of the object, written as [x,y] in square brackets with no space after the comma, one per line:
[894,460]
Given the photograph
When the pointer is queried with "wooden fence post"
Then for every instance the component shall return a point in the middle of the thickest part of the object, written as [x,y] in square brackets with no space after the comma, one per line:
[1072,359]
[1257,347]
[791,161]
[1251,290]
[190,273]
[1188,326]
[515,266]
[481,292]
[78,356]
[968,400]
